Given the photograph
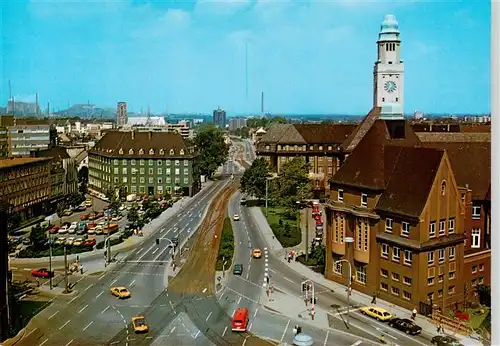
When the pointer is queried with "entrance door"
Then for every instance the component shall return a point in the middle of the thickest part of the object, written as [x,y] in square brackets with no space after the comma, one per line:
[151,190]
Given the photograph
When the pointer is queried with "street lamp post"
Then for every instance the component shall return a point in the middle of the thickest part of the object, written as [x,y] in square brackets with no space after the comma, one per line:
[347,240]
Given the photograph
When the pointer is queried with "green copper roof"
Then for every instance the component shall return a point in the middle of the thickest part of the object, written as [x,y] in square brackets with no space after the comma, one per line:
[389,30]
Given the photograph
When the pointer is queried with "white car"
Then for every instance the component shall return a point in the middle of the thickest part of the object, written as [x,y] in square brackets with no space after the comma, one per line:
[98,229]
[63,230]
[70,240]
[74,224]
[72,229]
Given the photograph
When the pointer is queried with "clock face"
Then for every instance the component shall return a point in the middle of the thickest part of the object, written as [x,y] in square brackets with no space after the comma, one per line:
[390,86]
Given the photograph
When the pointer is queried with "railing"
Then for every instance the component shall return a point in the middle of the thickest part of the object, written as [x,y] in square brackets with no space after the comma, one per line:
[452,323]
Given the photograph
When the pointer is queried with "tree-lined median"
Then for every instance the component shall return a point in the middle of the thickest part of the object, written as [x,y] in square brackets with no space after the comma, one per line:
[226,246]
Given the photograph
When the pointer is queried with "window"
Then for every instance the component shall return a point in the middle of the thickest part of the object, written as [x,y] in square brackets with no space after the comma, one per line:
[385,251]
[451,226]
[443,188]
[430,281]
[159,171]
[115,162]
[395,276]
[162,152]
[186,162]
[440,293]
[364,199]
[442,225]
[361,274]
[395,291]
[384,272]
[384,286]
[169,180]
[405,228]
[406,295]
[151,171]
[337,268]
[451,252]
[474,269]
[474,282]
[132,162]
[407,257]
[430,257]
[186,171]
[339,228]
[440,278]
[167,171]
[432,230]
[151,180]
[177,162]
[115,170]
[142,180]
[481,267]
[124,170]
[160,181]
[142,170]
[159,162]
[140,153]
[141,162]
[406,280]
[451,290]
[481,280]
[167,162]
[134,180]
[388,225]
[177,171]
[441,255]
[395,254]
[181,152]
[340,196]
[476,211]
[151,152]
[150,162]
[451,275]
[124,179]
[131,151]
[475,238]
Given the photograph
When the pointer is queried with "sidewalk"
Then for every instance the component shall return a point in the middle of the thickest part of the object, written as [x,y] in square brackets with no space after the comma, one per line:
[357,298]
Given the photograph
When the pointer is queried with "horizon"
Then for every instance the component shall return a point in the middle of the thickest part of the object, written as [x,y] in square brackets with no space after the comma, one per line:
[189,57]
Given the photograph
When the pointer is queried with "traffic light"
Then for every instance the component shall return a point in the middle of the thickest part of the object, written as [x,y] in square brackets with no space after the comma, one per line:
[157,241]
[304,287]
[311,300]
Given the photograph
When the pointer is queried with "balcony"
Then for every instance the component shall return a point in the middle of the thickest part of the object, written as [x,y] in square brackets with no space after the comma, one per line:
[351,209]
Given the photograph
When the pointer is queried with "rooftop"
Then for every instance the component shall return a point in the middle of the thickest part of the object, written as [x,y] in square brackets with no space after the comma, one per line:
[13,162]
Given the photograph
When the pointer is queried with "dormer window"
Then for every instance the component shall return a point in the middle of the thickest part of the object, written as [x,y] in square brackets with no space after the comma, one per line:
[181,152]
[151,152]
[364,199]
[443,188]
[141,152]
[330,147]
[279,147]
[131,151]
[171,151]
[120,151]
[162,152]
[320,147]
[340,195]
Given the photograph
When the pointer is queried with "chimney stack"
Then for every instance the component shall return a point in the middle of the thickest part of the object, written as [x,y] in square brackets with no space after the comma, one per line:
[150,134]
[132,134]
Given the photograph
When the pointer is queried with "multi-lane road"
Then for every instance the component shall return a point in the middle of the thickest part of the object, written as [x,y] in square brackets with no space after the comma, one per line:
[92,315]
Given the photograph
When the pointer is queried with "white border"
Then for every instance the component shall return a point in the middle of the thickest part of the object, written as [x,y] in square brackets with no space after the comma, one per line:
[495,174]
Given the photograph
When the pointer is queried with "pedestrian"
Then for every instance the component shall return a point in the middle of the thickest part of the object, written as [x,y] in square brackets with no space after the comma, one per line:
[382,339]
[374,298]
[414,314]
[37,282]
[439,328]
[289,258]
[81,269]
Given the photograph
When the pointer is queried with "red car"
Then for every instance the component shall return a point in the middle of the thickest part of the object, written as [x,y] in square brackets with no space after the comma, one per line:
[84,217]
[42,273]
[89,242]
[99,214]
[54,230]
[319,222]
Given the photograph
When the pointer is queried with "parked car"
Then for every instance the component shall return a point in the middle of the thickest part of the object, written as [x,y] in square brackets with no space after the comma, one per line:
[63,230]
[42,273]
[405,325]
[54,230]
[68,212]
[90,242]
[445,340]
[376,312]
[84,217]
[60,241]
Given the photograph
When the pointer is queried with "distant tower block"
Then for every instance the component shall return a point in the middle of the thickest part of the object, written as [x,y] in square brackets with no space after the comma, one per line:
[121,114]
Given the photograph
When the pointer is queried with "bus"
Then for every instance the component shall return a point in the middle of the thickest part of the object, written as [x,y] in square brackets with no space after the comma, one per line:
[110,229]
[240,320]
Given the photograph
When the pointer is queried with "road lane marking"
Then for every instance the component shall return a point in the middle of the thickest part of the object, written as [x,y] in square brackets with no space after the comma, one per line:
[233,312]
[326,337]
[172,330]
[287,279]
[359,342]
[255,314]
[64,325]
[55,313]
[89,286]
[31,332]
[86,306]
[155,251]
[204,290]
[272,271]
[250,326]
[105,309]
[139,250]
[69,343]
[103,275]
[224,332]
[239,301]
[100,294]
[114,282]
[43,343]
[145,253]
[72,300]
[210,314]
[88,325]
[198,333]
[284,332]
[161,252]
[384,332]
[130,284]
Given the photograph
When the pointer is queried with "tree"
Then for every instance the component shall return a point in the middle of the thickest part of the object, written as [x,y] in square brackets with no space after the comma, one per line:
[53,136]
[253,181]
[83,179]
[484,292]
[132,215]
[213,150]
[292,184]
[75,198]
[38,237]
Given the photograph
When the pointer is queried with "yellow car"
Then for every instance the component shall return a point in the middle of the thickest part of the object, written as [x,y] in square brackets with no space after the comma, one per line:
[120,292]
[379,314]
[236,217]
[139,324]
[257,253]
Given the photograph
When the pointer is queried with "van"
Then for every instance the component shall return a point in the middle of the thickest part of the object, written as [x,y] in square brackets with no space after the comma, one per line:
[240,320]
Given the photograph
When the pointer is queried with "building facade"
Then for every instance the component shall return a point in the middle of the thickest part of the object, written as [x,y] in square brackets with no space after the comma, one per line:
[144,163]
[219,118]
[121,114]
[318,144]
[27,136]
[5,122]
[25,185]
[237,123]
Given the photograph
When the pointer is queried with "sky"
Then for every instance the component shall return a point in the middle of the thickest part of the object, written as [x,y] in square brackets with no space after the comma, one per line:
[307,56]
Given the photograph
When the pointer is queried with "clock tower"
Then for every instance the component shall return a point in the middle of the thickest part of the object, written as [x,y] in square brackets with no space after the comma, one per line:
[388,72]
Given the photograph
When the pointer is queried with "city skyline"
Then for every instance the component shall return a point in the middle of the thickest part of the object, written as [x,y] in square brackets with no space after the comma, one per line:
[190,57]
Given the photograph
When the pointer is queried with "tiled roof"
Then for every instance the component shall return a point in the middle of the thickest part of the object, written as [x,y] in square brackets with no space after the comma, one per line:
[471,163]
[361,130]
[475,128]
[291,135]
[274,133]
[409,175]
[426,127]
[454,137]
[57,153]
[12,162]
[324,133]
[364,167]
[130,144]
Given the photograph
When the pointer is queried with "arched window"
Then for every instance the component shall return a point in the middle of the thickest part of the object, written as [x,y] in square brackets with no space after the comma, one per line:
[131,151]
[182,152]
[151,152]
[141,151]
[171,151]
[443,188]
[162,152]
[120,151]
